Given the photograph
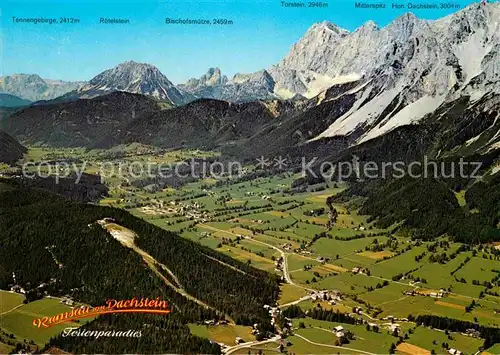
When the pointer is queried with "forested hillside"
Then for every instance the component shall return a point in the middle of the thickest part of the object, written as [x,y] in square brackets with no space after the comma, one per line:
[92,267]
[434,150]
[428,206]
[10,149]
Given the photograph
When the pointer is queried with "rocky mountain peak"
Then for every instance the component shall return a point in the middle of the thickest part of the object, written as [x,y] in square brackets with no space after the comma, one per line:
[404,26]
[121,75]
[368,26]
[327,25]
[213,77]
[134,77]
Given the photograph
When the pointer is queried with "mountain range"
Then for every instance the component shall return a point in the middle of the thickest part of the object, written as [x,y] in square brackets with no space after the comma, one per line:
[333,83]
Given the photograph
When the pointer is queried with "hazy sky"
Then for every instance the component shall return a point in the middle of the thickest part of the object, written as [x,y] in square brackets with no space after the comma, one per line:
[261,34]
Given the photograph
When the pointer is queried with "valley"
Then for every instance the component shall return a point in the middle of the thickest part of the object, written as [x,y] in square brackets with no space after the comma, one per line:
[331,184]
[379,276]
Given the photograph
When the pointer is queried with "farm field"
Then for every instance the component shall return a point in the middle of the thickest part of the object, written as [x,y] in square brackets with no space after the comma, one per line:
[9,300]
[20,321]
[222,333]
[5,348]
[427,340]
[369,341]
[290,293]
[495,349]
[433,340]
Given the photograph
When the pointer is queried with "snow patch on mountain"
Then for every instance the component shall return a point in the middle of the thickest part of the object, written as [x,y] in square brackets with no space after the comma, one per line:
[323,82]
[359,116]
[410,114]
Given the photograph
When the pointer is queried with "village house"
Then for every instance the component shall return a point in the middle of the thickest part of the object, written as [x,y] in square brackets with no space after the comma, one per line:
[394,328]
[321,295]
[357,270]
[473,333]
[338,328]
[286,246]
[339,331]
[17,289]
[68,301]
[454,351]
[357,310]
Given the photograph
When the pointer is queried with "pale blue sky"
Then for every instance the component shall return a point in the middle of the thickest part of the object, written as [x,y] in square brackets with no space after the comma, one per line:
[262,33]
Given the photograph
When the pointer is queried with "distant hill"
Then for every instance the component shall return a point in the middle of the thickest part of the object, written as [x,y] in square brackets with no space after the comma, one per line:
[78,123]
[123,118]
[8,100]
[204,123]
[10,149]
[32,87]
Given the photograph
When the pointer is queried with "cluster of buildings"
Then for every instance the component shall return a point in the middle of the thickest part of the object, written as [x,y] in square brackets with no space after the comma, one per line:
[394,319]
[274,312]
[331,296]
[473,333]
[15,287]
[67,301]
[435,294]
[190,210]
[279,264]
[393,328]
[359,270]
[287,247]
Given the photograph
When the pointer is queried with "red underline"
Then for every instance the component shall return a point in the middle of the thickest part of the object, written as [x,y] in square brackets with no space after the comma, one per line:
[90,314]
